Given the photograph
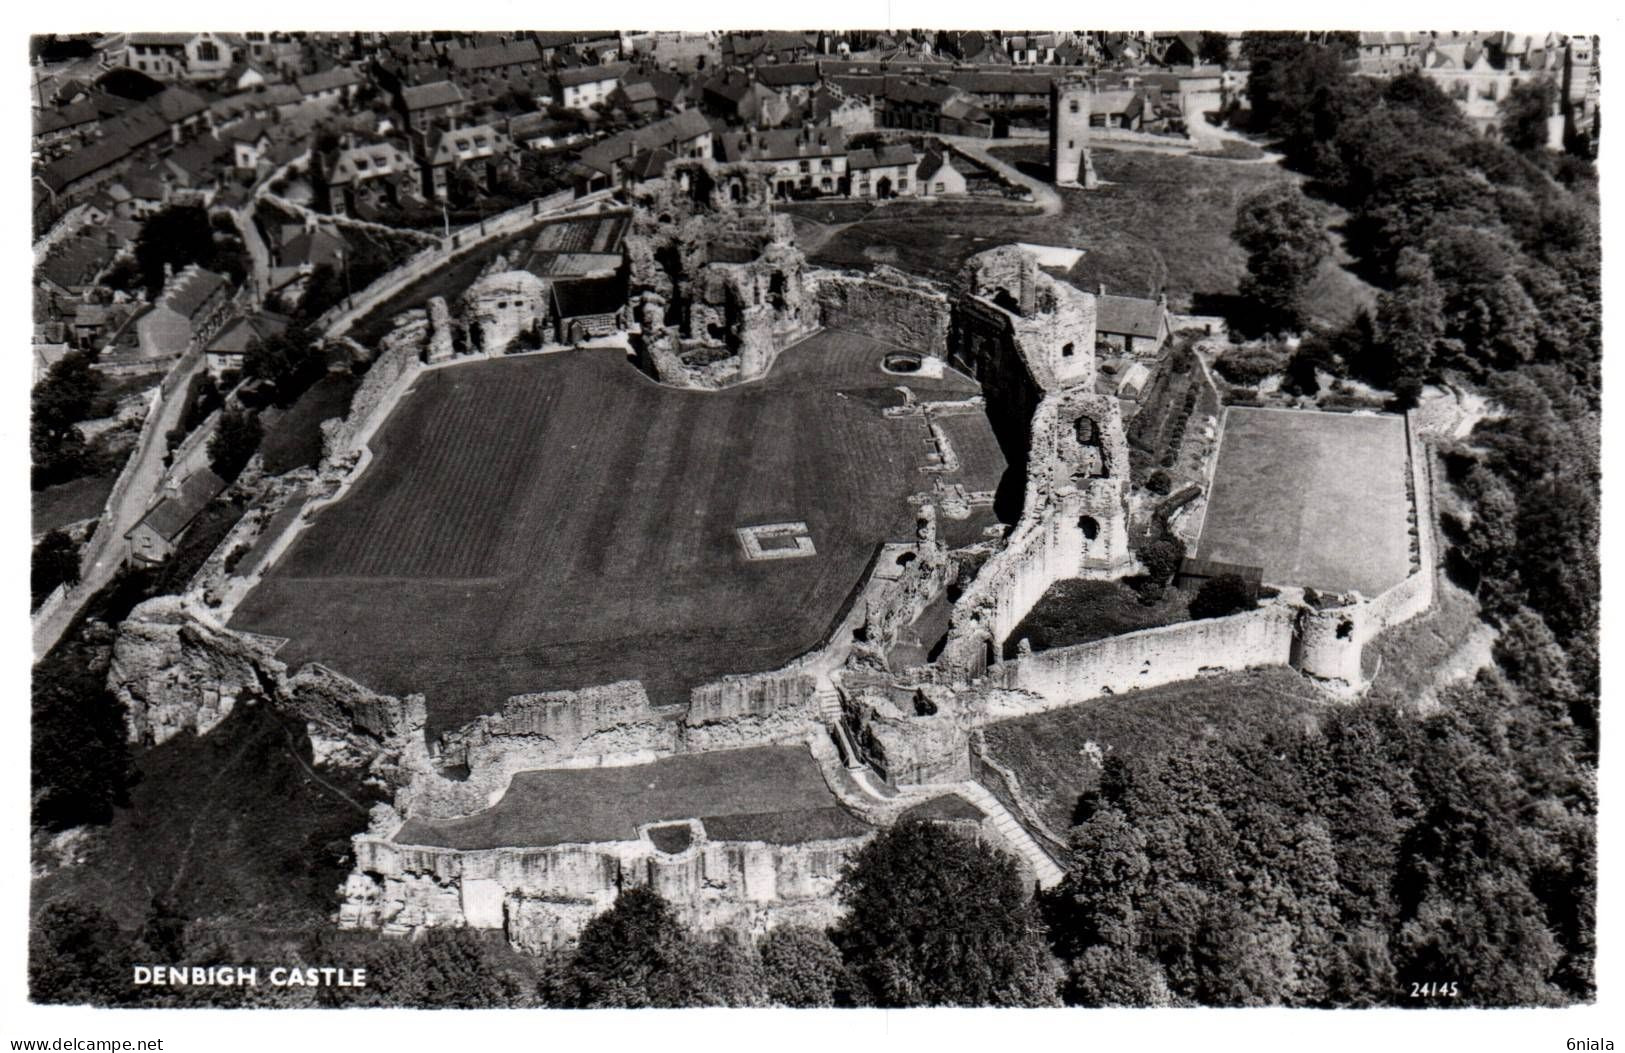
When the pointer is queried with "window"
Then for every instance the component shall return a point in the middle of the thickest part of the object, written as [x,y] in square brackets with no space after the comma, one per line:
[1066,350]
[1070,144]
[1073,106]
[207,52]
[805,166]
[939,187]
[825,165]
[141,65]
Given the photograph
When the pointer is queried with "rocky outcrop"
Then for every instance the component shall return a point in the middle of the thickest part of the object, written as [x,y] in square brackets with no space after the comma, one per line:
[173,673]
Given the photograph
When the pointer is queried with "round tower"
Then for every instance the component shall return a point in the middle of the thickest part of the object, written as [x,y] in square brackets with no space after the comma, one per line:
[1069,130]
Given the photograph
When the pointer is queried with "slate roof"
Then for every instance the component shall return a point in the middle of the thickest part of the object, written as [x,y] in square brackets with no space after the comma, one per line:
[437,93]
[191,289]
[898,154]
[1129,315]
[242,331]
[177,104]
[314,247]
[170,517]
[495,56]
[570,78]
[590,296]
[781,144]
[337,77]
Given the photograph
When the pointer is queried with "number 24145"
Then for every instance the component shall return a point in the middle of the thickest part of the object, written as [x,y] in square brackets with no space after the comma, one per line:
[1441,989]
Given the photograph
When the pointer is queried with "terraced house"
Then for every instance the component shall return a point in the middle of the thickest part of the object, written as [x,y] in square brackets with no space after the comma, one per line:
[798,161]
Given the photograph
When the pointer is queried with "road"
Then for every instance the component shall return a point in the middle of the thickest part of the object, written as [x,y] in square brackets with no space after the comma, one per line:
[105,554]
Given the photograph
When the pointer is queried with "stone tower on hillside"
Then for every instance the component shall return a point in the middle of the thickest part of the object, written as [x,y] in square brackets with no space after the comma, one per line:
[1069,99]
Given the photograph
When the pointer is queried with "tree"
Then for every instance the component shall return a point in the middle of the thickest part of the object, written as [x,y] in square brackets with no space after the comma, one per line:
[1285,241]
[1409,325]
[1225,594]
[181,235]
[1214,48]
[634,955]
[235,442]
[289,362]
[1525,114]
[76,956]
[802,969]
[935,917]
[56,562]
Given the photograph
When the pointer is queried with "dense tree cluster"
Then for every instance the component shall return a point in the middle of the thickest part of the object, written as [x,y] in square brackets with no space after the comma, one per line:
[1340,868]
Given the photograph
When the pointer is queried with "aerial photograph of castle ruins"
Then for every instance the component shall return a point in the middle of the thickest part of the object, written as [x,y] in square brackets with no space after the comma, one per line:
[814,518]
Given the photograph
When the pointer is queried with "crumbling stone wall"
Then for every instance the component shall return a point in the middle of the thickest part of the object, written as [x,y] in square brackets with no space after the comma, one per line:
[503,308]
[886,305]
[714,278]
[541,897]
[750,710]
[1150,657]
[400,355]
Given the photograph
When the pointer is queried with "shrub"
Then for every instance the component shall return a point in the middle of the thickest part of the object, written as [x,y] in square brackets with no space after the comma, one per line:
[1159,483]
[1250,365]
[1225,594]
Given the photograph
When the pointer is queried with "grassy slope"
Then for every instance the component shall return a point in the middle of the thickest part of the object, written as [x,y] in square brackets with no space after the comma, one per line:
[1047,750]
[1314,498]
[230,825]
[295,440]
[1074,611]
[1163,222]
[71,501]
[543,523]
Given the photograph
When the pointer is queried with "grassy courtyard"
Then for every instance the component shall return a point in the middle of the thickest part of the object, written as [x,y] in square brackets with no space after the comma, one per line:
[551,522]
[1316,499]
[768,793]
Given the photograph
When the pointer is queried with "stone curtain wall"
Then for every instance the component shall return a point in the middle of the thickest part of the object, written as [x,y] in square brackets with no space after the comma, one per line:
[751,710]
[887,306]
[398,360]
[1414,595]
[1151,657]
[541,897]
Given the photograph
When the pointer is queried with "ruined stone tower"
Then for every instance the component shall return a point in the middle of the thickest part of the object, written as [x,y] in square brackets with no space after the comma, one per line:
[1069,99]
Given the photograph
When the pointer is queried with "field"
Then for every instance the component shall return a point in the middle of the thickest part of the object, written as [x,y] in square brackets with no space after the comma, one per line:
[772,793]
[550,522]
[1046,751]
[1163,222]
[1316,499]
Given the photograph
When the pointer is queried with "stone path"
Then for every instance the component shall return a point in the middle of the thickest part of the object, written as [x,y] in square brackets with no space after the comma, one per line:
[1049,875]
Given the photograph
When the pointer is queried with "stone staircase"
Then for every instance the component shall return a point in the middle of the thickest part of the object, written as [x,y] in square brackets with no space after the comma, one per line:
[829,711]
[1049,875]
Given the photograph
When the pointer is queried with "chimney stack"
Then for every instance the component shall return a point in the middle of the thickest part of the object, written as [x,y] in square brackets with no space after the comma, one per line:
[1102,289]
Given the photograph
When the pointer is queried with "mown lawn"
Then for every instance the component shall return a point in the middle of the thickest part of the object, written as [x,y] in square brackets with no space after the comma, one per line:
[769,793]
[1316,499]
[551,522]
[1047,751]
